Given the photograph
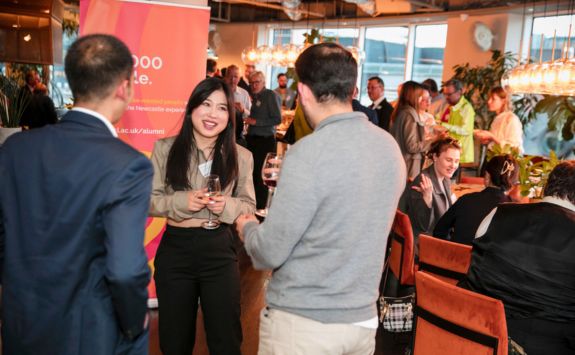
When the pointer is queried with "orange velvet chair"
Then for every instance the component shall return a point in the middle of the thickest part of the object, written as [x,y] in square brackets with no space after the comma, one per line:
[452,320]
[443,259]
[401,257]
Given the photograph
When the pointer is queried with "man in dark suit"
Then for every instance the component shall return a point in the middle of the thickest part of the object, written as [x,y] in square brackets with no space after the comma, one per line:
[375,91]
[73,202]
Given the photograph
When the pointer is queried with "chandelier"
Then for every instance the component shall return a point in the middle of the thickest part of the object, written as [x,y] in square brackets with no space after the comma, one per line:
[554,77]
[281,56]
[286,55]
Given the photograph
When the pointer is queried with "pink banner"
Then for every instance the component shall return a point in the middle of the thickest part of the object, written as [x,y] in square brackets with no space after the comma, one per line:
[169,44]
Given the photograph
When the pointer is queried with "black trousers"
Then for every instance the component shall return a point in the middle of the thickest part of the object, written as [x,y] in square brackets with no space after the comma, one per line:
[194,264]
[542,337]
[260,146]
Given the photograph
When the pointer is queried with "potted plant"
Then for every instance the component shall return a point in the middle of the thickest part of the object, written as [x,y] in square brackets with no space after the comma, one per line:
[533,170]
[12,106]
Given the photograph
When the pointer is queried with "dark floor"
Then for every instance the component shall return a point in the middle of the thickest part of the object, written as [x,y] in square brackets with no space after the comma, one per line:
[252,295]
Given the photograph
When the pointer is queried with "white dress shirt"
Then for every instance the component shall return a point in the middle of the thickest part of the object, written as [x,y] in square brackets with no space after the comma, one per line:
[98,116]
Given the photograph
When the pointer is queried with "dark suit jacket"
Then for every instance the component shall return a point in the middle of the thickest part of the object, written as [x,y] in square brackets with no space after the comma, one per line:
[74,202]
[384,110]
[371,115]
[39,112]
[245,85]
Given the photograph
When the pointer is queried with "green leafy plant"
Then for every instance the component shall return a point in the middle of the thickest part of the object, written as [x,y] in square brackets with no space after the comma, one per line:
[70,26]
[12,103]
[478,80]
[561,113]
[534,173]
[533,170]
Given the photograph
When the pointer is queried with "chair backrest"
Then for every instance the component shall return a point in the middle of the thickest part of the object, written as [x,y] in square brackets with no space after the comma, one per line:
[401,258]
[453,320]
[445,260]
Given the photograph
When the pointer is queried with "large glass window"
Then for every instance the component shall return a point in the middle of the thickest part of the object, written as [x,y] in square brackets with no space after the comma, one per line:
[386,53]
[345,36]
[385,56]
[546,26]
[428,52]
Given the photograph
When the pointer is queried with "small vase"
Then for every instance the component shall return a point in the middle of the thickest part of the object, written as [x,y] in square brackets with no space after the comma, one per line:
[6,132]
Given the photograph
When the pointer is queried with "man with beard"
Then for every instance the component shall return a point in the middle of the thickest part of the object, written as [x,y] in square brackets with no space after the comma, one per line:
[287,95]
[330,212]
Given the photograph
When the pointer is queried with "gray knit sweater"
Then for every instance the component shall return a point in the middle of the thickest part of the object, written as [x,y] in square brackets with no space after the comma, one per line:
[326,232]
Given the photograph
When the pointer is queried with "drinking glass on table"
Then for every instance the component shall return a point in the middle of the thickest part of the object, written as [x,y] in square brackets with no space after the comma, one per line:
[270,173]
[213,189]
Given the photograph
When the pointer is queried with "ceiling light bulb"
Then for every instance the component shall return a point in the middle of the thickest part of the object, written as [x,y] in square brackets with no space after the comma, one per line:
[28,37]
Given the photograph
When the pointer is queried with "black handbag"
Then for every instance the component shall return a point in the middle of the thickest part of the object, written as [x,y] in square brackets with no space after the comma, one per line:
[396,313]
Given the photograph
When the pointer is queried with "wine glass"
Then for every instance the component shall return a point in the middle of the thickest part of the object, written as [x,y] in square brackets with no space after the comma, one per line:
[213,189]
[270,173]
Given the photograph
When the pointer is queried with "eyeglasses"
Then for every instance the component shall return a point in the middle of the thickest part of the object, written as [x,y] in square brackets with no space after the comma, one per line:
[450,93]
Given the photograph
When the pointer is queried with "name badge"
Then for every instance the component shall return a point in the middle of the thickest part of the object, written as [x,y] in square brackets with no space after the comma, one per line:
[205,168]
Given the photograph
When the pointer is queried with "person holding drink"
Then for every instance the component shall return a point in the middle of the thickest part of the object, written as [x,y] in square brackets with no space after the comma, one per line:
[270,175]
[193,262]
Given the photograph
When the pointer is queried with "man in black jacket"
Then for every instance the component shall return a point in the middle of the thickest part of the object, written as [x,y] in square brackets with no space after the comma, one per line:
[375,91]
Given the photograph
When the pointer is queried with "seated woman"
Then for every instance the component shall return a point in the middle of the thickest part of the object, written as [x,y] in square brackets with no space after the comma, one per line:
[427,198]
[523,255]
[460,222]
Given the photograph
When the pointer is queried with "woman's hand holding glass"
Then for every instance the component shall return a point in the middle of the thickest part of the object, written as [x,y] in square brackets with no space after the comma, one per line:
[216,204]
[197,200]
[213,190]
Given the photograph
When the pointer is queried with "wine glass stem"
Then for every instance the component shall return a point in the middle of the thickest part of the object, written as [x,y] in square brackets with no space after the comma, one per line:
[270,195]
[210,217]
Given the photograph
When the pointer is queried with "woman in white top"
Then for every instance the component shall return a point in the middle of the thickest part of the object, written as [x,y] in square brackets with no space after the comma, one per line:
[506,128]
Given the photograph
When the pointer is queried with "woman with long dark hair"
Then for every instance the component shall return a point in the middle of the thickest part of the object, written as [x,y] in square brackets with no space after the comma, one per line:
[196,266]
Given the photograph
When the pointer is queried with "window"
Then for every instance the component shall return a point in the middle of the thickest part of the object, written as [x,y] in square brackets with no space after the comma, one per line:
[386,53]
[546,26]
[345,36]
[428,52]
[385,56]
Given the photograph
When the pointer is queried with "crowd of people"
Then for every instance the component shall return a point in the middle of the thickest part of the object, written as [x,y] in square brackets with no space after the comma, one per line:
[72,214]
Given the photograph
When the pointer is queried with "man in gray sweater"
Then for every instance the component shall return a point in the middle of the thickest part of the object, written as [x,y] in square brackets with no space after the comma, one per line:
[326,232]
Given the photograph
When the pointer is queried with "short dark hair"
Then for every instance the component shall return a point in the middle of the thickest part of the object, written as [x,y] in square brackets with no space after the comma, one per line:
[441,145]
[280,75]
[455,83]
[329,70]
[561,182]
[431,85]
[211,66]
[378,79]
[503,171]
[30,74]
[95,64]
